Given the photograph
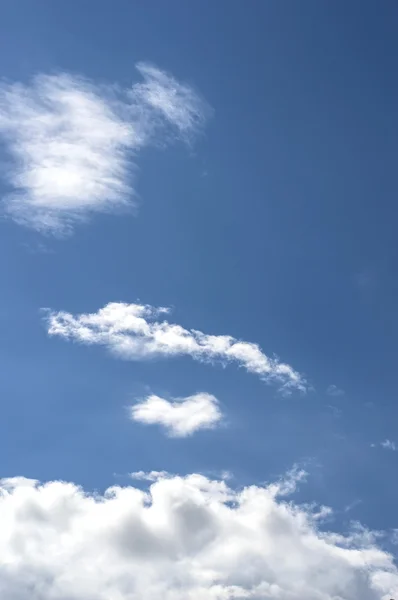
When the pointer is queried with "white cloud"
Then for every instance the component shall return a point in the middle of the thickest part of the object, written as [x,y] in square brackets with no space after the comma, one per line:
[180,417]
[72,142]
[179,104]
[336,412]
[132,332]
[389,445]
[186,538]
[394,537]
[349,507]
[149,475]
[333,390]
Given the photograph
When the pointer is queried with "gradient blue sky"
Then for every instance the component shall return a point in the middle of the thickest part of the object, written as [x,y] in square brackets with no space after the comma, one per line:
[277,226]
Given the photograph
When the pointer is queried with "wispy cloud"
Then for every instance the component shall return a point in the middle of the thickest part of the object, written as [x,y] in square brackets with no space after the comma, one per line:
[180,417]
[73,143]
[335,391]
[336,412]
[352,505]
[151,476]
[132,332]
[387,445]
[177,103]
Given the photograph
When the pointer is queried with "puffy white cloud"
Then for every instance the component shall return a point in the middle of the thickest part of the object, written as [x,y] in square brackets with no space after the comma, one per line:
[180,417]
[72,142]
[131,331]
[186,538]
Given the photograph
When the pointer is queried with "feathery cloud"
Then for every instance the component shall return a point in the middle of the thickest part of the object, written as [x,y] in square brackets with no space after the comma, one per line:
[73,143]
[132,332]
[180,417]
[185,538]
[177,103]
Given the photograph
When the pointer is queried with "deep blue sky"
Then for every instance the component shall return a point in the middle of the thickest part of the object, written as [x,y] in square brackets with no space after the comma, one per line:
[278,227]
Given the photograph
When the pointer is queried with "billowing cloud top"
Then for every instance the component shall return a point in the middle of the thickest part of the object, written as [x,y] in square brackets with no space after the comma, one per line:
[72,142]
[186,538]
[131,331]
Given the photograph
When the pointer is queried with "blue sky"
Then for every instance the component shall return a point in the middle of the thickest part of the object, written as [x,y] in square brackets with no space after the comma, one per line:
[270,218]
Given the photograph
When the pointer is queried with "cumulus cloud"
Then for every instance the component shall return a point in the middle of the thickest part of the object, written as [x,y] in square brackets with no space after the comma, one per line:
[73,143]
[180,417]
[132,332]
[184,538]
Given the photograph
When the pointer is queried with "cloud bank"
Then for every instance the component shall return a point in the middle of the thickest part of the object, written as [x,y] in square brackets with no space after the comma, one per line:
[73,143]
[185,538]
[132,332]
[180,417]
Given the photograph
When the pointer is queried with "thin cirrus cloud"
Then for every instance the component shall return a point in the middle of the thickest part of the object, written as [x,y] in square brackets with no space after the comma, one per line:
[181,538]
[132,332]
[73,144]
[178,104]
[179,417]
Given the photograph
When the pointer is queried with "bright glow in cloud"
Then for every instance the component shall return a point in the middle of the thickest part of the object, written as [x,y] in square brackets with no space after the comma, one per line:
[186,538]
[181,417]
[131,331]
[72,142]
